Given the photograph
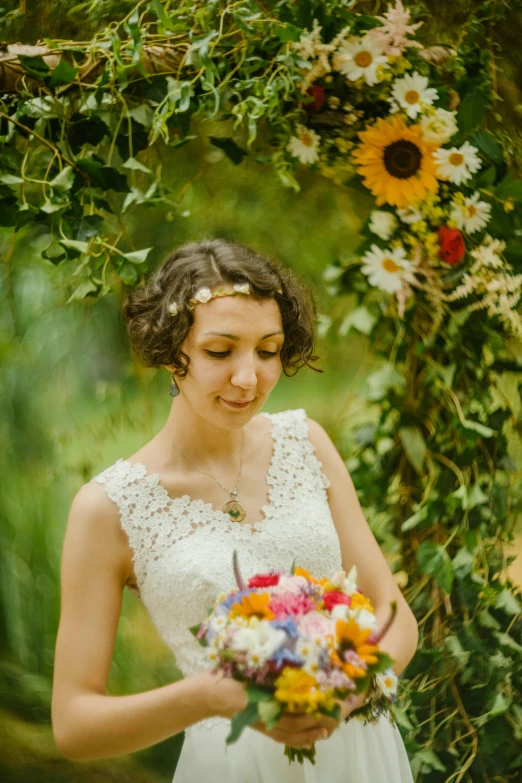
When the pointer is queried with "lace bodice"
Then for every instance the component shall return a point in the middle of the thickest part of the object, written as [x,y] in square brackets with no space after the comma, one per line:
[182,547]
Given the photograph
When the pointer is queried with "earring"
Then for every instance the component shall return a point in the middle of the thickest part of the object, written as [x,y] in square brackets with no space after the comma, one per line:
[174,388]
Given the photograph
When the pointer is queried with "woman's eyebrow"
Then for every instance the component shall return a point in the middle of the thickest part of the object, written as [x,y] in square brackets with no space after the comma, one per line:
[235,337]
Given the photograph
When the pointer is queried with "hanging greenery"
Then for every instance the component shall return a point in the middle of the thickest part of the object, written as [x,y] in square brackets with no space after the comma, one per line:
[417,125]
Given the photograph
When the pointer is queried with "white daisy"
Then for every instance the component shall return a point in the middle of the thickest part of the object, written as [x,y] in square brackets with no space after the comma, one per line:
[387,269]
[458,163]
[305,145]
[360,57]
[439,126]
[409,215]
[387,682]
[412,94]
[382,223]
[472,215]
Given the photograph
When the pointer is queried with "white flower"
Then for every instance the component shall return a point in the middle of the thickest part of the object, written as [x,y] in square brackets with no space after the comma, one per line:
[365,619]
[173,308]
[309,652]
[360,57]
[472,215]
[340,612]
[409,215]
[387,682]
[305,145]
[382,223]
[242,288]
[412,94]
[203,295]
[350,583]
[387,269]
[258,643]
[439,126]
[457,164]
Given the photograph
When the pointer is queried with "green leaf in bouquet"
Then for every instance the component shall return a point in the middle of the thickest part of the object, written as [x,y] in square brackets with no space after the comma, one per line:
[194,630]
[270,711]
[292,569]
[241,720]
[255,693]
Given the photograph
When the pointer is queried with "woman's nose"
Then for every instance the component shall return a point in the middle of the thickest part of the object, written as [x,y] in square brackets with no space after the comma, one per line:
[245,374]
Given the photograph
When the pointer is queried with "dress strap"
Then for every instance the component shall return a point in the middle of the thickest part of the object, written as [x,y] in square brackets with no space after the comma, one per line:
[295,468]
[128,486]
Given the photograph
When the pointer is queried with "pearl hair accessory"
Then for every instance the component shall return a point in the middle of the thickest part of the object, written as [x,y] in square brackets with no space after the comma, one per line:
[205,294]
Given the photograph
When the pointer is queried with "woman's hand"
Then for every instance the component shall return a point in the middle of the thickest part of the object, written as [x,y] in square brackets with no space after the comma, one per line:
[298,730]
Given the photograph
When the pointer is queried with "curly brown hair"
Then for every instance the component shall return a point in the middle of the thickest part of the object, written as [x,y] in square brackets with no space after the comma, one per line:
[157,337]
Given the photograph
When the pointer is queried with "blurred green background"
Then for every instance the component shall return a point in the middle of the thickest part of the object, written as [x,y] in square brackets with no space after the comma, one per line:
[74,400]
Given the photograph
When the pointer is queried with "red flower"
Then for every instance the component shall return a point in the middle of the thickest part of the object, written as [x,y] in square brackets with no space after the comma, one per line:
[263,580]
[334,597]
[452,247]
[316,92]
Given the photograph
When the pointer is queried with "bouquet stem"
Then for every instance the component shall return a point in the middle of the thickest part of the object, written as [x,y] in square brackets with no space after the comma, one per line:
[300,754]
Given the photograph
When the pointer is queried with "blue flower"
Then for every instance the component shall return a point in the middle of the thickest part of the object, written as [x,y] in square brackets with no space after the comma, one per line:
[284,656]
[286,624]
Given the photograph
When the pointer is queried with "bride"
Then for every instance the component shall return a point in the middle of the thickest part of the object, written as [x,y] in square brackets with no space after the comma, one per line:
[220,475]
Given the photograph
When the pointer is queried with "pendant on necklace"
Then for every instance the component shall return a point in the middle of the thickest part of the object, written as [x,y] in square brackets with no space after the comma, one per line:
[235,510]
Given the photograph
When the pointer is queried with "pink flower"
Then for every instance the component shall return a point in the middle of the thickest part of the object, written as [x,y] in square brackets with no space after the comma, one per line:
[289,604]
[315,624]
[290,584]
[395,27]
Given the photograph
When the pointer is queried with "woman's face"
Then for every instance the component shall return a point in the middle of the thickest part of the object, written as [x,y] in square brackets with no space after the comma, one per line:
[234,347]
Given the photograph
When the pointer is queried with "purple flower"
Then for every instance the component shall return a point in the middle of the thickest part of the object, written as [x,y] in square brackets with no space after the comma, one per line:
[284,656]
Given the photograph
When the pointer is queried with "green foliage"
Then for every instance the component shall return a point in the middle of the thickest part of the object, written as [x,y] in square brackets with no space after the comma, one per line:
[438,465]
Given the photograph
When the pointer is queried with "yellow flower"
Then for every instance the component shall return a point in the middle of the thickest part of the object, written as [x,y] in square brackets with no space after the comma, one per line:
[396,163]
[253,604]
[360,601]
[299,691]
[509,206]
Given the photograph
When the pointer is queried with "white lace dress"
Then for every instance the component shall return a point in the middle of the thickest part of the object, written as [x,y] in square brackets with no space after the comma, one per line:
[183,560]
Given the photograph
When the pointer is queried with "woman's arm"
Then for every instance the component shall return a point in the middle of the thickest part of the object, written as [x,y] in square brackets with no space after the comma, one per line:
[87,723]
[360,548]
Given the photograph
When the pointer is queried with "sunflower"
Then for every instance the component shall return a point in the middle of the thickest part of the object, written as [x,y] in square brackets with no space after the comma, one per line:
[396,162]
[352,637]
[299,691]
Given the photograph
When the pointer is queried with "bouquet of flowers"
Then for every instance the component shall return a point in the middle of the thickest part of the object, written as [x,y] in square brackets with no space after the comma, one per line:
[300,644]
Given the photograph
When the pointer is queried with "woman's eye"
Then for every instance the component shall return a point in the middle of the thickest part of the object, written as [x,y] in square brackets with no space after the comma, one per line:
[222,354]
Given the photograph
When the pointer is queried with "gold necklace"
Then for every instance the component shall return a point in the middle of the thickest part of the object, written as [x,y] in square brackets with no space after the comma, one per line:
[234,508]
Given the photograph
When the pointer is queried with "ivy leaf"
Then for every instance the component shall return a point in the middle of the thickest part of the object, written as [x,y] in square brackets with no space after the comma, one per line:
[135,165]
[288,33]
[36,66]
[138,256]
[414,446]
[360,318]
[510,189]
[64,180]
[62,74]
[82,291]
[508,603]
[488,145]
[471,110]
[433,559]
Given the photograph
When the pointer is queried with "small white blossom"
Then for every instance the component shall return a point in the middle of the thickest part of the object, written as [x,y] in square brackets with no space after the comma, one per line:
[173,308]
[203,295]
[439,126]
[304,146]
[382,223]
[458,163]
[360,57]
[387,682]
[412,94]
[387,269]
[409,215]
[472,215]
[242,288]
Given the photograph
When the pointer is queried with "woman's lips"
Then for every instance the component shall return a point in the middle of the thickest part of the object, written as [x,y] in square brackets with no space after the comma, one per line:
[236,404]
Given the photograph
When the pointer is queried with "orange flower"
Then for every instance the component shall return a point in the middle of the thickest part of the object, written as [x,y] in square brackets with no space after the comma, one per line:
[303,572]
[352,637]
[253,605]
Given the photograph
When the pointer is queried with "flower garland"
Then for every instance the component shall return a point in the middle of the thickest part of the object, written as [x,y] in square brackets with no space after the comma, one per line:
[391,119]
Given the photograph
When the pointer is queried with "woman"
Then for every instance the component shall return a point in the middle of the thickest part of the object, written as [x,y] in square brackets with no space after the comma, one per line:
[225,322]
